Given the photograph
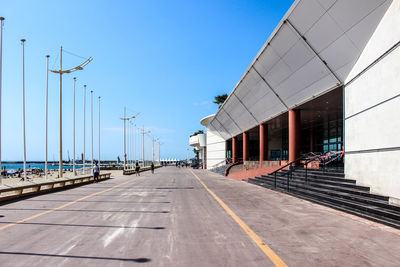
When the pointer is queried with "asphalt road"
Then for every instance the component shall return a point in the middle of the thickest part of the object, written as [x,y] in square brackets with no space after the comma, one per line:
[180,217]
[165,219]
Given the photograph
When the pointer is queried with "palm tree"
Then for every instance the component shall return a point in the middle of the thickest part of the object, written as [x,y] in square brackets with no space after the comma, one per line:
[220,99]
[196,152]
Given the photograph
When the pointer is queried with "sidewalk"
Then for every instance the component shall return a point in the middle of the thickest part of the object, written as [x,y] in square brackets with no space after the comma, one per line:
[303,233]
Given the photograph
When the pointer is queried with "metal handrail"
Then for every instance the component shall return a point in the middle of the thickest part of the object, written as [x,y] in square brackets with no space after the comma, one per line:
[337,154]
[310,157]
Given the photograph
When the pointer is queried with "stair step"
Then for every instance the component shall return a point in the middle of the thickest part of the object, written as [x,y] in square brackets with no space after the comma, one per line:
[353,191]
[367,199]
[327,184]
[353,204]
[314,176]
[332,204]
[329,180]
[379,214]
[321,172]
[375,218]
[323,176]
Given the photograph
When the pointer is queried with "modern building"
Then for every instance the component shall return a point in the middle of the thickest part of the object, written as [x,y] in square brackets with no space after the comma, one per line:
[327,79]
[198,141]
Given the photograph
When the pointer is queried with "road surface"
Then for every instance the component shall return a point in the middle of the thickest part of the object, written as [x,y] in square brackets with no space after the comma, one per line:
[183,217]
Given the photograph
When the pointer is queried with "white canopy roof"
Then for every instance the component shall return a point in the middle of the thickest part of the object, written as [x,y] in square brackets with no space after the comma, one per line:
[311,52]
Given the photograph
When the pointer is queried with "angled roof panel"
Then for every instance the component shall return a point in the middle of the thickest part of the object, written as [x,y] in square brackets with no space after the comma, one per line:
[303,17]
[348,13]
[312,50]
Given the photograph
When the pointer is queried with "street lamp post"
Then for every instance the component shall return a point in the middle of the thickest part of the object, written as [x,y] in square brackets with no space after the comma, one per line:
[152,151]
[73,168]
[99,131]
[132,143]
[47,114]
[135,143]
[143,133]
[127,119]
[1,71]
[143,147]
[84,129]
[61,72]
[91,120]
[129,137]
[154,140]
[60,164]
[159,155]
[23,103]
[124,138]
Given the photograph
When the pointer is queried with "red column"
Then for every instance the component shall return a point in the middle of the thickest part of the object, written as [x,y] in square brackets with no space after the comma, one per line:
[234,150]
[294,134]
[245,146]
[263,143]
[312,139]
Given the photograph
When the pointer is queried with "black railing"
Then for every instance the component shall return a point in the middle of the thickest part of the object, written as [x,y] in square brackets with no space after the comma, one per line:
[302,162]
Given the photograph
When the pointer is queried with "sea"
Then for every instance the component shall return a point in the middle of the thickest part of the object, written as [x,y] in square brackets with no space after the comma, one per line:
[50,166]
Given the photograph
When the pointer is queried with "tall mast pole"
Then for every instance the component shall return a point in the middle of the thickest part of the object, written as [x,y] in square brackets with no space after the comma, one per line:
[61,150]
[84,128]
[1,71]
[128,144]
[74,132]
[132,144]
[124,137]
[159,155]
[91,114]
[152,157]
[23,103]
[143,146]
[134,149]
[47,114]
[99,132]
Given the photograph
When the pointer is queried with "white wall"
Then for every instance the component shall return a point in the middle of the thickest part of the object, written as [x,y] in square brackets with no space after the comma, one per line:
[215,149]
[372,111]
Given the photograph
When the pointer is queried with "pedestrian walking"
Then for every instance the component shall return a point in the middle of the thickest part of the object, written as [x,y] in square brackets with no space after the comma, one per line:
[152,168]
[137,169]
[96,172]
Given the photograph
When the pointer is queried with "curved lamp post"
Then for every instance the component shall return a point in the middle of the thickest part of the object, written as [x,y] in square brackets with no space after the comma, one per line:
[61,72]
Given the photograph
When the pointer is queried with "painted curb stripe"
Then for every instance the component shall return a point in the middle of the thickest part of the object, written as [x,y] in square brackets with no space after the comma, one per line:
[264,247]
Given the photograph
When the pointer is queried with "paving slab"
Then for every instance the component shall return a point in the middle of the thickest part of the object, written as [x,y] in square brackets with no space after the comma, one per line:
[307,234]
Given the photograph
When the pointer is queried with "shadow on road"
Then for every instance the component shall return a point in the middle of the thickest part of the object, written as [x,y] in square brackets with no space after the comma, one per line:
[104,201]
[105,211]
[139,260]
[190,187]
[90,225]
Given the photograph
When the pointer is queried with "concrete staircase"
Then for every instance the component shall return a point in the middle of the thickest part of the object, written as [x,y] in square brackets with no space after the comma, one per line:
[331,189]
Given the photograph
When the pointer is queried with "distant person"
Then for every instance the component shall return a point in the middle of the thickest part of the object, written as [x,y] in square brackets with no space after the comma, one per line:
[137,169]
[152,168]
[96,172]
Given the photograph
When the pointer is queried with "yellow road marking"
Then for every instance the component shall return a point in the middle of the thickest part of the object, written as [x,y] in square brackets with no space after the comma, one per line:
[61,207]
[264,247]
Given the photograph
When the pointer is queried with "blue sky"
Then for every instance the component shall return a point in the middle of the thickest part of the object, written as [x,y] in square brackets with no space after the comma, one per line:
[164,59]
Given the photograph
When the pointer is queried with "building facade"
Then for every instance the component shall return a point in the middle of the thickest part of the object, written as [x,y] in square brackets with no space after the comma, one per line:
[327,79]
